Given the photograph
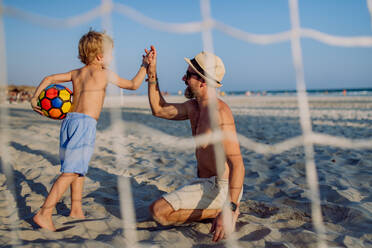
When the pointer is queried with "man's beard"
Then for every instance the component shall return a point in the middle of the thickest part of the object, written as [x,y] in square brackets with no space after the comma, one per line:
[188,93]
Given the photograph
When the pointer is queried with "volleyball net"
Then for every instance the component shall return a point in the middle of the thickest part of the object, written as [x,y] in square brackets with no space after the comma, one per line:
[307,140]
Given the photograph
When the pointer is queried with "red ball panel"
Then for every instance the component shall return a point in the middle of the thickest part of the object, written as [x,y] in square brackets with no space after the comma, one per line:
[46,104]
[51,93]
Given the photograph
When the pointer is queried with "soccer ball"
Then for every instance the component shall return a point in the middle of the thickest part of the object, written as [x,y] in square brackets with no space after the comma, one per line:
[55,101]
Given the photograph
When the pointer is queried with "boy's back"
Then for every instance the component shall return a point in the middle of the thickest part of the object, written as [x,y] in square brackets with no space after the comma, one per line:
[89,85]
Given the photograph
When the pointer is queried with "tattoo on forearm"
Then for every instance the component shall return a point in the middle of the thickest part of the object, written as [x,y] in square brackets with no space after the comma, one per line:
[227,124]
[233,155]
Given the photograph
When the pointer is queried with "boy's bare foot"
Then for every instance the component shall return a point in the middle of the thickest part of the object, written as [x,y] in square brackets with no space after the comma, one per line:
[77,214]
[44,222]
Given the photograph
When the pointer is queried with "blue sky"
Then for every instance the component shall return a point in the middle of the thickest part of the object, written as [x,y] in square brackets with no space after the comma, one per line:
[35,51]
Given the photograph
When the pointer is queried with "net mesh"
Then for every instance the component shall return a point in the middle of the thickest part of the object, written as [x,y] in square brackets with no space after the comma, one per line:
[307,139]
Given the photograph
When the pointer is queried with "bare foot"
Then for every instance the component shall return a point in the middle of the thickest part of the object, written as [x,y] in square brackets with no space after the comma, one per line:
[44,222]
[77,214]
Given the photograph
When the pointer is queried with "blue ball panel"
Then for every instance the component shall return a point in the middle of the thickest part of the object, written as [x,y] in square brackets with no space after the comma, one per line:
[57,102]
[50,86]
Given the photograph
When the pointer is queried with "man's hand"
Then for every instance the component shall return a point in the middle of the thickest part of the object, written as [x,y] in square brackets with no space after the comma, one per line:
[151,70]
[35,107]
[220,229]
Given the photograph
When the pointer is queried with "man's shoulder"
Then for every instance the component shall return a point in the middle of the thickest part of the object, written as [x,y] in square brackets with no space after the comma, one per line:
[191,107]
[224,110]
[222,106]
[192,103]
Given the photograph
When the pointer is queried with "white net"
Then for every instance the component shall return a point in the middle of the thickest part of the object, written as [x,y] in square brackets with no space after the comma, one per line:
[308,139]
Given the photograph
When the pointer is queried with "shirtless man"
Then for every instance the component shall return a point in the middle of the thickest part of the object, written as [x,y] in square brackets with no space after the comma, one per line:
[205,196]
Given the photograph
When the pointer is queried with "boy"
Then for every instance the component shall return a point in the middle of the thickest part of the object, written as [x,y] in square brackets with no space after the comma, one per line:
[78,129]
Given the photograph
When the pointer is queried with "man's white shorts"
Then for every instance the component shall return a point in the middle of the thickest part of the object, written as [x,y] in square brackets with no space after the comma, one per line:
[200,193]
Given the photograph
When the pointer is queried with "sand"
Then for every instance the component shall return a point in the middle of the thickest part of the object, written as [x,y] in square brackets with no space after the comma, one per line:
[142,150]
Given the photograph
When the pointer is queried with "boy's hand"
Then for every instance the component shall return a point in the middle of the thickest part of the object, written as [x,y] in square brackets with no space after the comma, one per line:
[35,107]
[145,60]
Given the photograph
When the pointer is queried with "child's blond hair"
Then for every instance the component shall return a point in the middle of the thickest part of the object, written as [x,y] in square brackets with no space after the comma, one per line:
[92,44]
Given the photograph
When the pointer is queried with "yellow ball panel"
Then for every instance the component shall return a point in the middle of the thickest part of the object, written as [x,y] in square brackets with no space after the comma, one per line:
[42,95]
[64,95]
[66,107]
[45,112]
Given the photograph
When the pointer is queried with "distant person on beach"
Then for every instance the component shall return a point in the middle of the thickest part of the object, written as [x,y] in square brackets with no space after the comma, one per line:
[78,129]
[205,196]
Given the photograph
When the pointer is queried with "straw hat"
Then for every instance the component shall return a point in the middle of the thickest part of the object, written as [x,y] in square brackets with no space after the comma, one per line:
[215,70]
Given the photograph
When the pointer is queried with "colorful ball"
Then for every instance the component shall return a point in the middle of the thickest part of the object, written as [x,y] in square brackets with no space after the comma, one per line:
[55,101]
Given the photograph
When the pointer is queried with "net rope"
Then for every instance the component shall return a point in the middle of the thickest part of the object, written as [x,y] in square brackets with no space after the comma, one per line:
[124,187]
[308,139]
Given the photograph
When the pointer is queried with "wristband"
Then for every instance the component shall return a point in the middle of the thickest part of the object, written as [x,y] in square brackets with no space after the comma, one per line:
[145,64]
[153,82]
[233,206]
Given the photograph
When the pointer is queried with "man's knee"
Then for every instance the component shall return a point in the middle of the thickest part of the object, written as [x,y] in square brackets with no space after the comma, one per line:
[160,210]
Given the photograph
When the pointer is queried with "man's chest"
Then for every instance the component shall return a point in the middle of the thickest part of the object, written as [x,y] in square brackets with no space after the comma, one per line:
[200,122]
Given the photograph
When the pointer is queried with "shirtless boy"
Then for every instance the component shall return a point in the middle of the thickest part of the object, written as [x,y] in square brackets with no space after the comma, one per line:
[78,129]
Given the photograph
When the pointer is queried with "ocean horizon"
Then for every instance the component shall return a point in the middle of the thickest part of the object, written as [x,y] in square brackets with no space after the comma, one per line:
[312,92]
[288,92]
[291,92]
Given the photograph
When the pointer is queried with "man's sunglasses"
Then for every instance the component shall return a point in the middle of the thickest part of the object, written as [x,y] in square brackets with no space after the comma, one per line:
[189,74]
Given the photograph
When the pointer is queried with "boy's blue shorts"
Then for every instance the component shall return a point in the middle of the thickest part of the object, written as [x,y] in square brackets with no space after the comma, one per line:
[77,138]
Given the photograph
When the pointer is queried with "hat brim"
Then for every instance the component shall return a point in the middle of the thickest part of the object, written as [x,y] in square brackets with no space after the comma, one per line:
[208,80]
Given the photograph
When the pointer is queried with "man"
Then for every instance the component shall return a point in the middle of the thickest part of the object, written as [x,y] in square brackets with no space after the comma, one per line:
[205,196]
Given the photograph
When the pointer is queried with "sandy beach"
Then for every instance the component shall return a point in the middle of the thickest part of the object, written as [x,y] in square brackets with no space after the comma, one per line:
[141,150]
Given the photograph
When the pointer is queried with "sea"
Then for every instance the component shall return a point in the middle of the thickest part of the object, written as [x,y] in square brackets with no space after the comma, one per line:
[310,92]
